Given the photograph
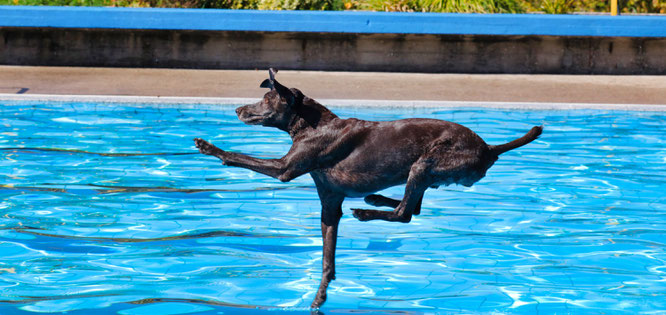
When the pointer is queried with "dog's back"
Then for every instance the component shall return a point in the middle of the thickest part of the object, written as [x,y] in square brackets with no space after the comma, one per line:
[382,154]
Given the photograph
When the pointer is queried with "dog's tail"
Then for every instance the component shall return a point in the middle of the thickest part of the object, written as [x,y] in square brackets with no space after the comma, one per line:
[527,138]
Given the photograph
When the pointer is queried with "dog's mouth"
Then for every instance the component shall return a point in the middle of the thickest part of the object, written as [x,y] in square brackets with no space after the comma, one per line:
[251,115]
[251,119]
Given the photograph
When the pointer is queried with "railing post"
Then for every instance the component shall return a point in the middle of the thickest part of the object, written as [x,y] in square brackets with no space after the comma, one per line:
[614,8]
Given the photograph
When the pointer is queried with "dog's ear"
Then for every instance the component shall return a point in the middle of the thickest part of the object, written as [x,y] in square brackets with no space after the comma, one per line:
[271,73]
[285,92]
[267,84]
[281,89]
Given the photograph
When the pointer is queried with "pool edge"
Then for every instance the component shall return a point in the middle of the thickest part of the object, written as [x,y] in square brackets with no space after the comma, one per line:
[330,102]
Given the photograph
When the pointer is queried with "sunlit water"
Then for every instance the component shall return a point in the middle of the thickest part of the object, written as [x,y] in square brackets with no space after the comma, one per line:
[110,209]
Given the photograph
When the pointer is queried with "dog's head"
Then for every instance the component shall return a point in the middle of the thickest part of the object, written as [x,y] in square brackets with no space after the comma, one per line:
[276,109]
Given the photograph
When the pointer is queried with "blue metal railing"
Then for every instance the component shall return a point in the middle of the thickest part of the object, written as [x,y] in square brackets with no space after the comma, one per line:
[333,21]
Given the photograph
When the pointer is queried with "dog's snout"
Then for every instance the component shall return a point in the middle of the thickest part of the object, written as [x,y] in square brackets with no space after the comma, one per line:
[238,110]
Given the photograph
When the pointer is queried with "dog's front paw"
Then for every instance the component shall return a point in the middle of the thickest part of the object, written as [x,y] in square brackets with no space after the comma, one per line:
[205,147]
[320,298]
[318,302]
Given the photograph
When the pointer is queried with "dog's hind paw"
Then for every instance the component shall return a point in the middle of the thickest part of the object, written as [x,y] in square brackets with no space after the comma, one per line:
[360,214]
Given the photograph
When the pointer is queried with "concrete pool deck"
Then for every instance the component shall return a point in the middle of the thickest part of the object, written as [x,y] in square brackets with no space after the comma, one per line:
[27,81]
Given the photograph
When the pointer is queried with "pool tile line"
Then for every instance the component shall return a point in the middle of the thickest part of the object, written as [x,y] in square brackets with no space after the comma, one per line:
[169,101]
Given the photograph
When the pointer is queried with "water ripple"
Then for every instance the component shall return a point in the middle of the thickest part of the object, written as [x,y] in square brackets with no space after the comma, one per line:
[109,208]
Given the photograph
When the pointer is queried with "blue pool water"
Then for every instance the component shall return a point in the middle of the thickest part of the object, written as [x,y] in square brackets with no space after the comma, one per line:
[108,209]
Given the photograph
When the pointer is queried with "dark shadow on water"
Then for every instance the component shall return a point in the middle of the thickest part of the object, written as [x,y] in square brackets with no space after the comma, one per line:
[143,240]
[198,306]
[231,308]
[109,189]
[75,151]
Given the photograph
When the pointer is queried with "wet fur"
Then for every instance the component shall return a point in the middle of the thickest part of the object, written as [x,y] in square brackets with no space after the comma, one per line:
[356,158]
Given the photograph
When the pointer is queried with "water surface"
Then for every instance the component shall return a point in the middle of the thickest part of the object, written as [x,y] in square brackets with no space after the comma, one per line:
[110,209]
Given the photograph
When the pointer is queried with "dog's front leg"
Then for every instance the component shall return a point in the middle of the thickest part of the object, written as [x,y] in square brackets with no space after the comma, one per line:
[276,168]
[331,213]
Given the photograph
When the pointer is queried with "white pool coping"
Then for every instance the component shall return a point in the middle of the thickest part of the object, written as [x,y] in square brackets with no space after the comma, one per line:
[172,100]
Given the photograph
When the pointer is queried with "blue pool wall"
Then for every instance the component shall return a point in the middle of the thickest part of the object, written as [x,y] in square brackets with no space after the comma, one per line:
[325,40]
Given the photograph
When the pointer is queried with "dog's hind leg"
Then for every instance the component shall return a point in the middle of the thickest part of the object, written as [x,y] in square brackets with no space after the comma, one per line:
[416,186]
[382,201]
[331,212]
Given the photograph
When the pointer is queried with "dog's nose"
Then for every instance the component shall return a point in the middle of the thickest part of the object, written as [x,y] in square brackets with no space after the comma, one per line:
[238,110]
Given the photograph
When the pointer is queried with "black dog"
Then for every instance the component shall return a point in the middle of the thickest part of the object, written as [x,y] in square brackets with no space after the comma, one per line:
[355,158]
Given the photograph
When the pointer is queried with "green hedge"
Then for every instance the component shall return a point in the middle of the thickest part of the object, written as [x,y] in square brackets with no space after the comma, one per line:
[467,6]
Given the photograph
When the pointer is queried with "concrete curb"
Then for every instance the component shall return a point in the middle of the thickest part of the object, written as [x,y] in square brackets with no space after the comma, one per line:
[180,101]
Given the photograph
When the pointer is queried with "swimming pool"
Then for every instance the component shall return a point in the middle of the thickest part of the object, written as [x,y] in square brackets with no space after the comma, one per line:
[108,208]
